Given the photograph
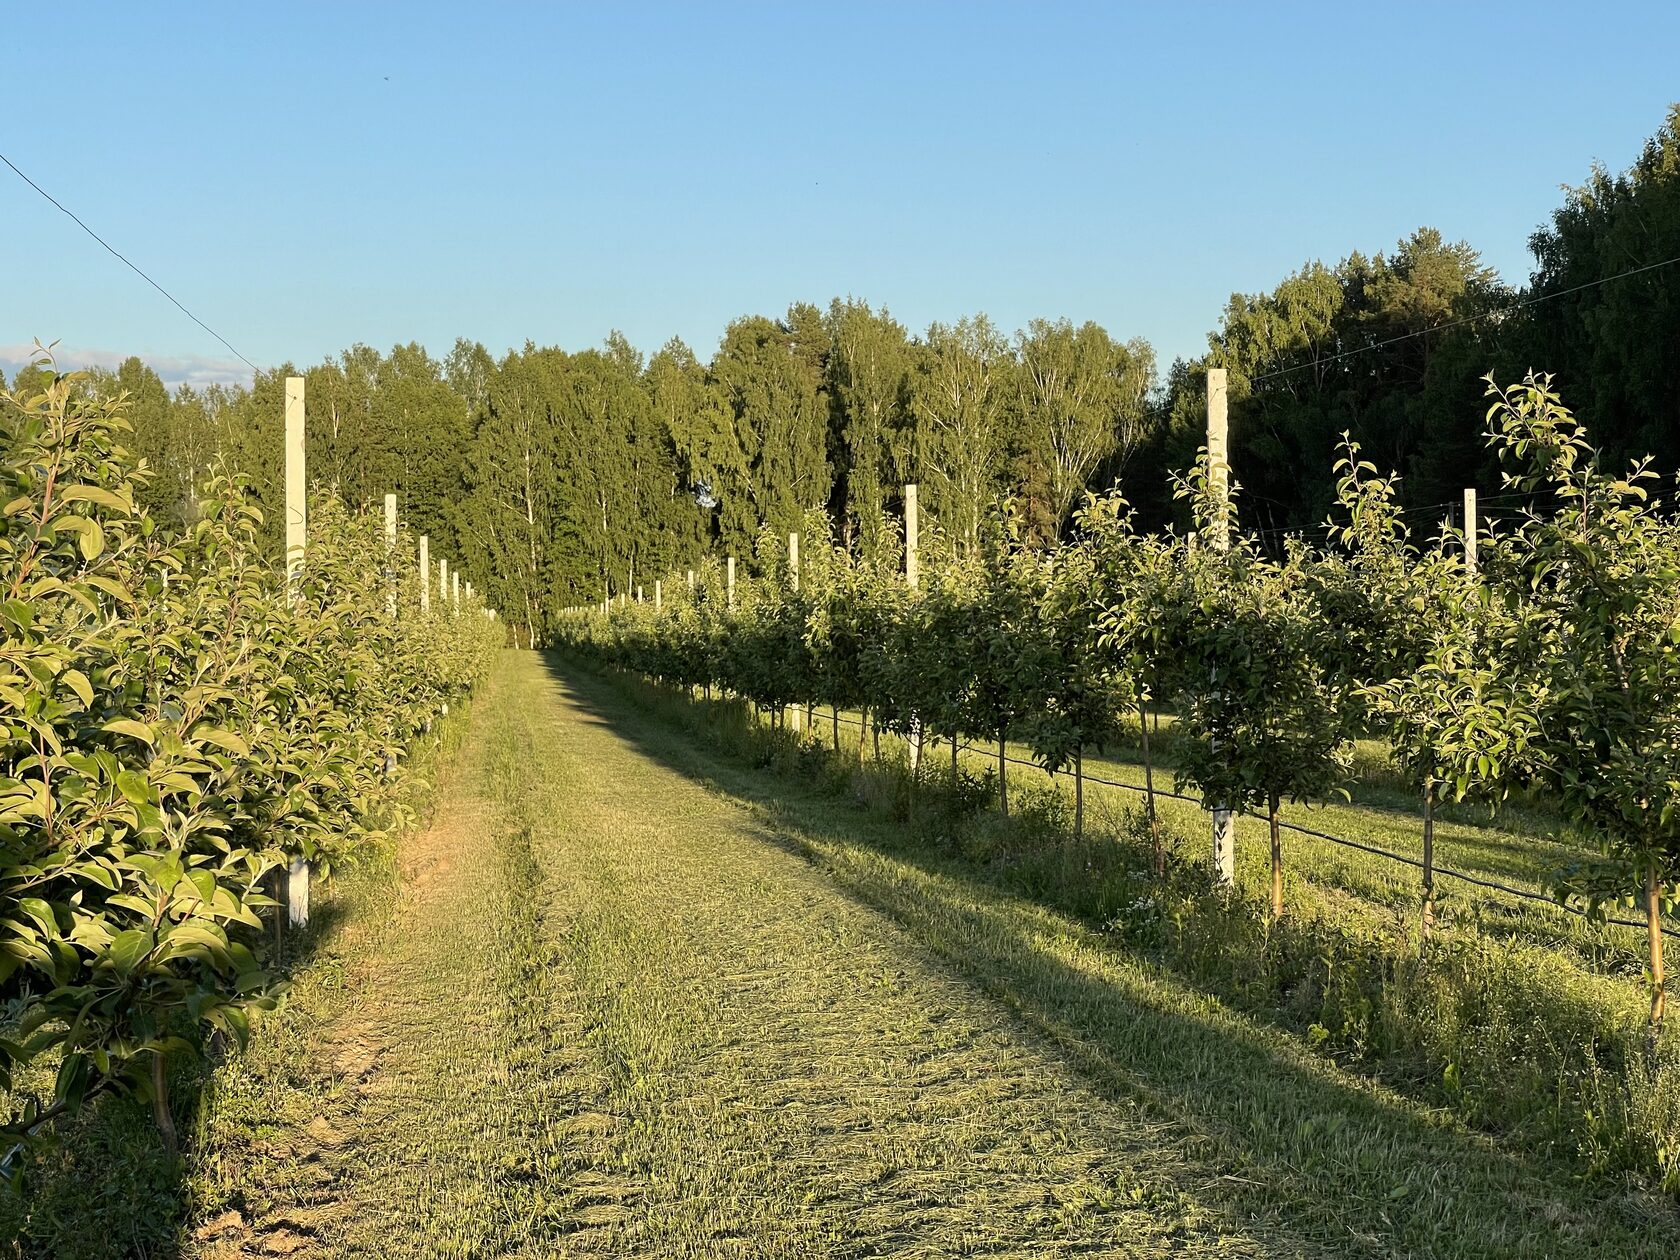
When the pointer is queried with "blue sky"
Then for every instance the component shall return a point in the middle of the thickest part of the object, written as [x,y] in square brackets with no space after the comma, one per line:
[308,176]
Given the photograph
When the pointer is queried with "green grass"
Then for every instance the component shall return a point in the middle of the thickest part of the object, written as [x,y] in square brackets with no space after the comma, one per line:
[614,1016]
[1522,846]
[1334,1148]
[657,982]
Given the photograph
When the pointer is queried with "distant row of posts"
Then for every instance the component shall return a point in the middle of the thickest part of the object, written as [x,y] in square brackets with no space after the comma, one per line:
[297,540]
[911,570]
[1218,454]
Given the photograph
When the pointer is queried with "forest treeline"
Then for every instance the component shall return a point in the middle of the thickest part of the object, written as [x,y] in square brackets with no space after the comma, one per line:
[556,477]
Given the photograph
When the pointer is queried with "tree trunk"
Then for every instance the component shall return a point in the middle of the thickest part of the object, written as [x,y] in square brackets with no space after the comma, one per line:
[1079,794]
[956,772]
[1428,857]
[1003,776]
[1653,931]
[836,730]
[279,894]
[875,738]
[1277,859]
[160,1105]
[863,721]
[1149,789]
[915,748]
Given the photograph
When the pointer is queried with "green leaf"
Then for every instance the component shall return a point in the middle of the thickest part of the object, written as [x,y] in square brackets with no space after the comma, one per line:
[96,494]
[131,728]
[92,541]
[128,948]
[134,787]
[78,682]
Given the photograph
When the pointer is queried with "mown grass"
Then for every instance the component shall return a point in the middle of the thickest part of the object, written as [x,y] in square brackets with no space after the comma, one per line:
[1534,1044]
[615,1016]
[658,982]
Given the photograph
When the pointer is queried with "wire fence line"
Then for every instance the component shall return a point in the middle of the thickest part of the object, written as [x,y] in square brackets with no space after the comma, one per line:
[1525,894]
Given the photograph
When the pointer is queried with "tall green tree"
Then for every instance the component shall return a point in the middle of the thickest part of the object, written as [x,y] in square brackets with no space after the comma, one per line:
[771,375]
[959,400]
[869,380]
[711,464]
[1084,400]
[513,489]
[1611,345]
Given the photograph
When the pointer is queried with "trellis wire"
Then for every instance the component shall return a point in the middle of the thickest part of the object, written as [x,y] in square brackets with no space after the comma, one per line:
[1526,894]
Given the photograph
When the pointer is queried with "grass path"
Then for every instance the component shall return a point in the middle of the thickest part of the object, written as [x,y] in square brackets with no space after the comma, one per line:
[631,1001]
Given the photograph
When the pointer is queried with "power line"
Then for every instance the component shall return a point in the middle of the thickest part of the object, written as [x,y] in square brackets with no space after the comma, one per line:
[125,262]
[1522,304]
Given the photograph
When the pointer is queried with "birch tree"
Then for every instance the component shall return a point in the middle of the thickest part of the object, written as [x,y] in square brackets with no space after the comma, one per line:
[961,435]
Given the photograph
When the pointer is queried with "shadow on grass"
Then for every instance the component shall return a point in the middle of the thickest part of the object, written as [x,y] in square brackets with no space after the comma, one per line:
[108,1188]
[1288,1135]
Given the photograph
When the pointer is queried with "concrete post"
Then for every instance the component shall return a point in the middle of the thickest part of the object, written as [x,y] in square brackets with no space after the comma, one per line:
[1471,527]
[391,552]
[1224,834]
[297,536]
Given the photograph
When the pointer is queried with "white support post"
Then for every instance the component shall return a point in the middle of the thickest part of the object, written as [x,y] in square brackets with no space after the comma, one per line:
[425,572]
[443,579]
[912,577]
[793,579]
[729,581]
[391,552]
[638,594]
[455,588]
[1218,448]
[691,581]
[1471,527]
[297,537]
[658,595]
[1224,834]
[912,532]
[297,508]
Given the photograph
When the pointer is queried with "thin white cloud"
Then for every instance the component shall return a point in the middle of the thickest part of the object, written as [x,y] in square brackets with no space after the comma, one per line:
[197,370]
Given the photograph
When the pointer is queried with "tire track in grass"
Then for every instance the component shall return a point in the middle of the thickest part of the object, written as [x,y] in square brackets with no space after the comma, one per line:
[1273,1131]
[608,1016]
[419,1098]
[793,1076]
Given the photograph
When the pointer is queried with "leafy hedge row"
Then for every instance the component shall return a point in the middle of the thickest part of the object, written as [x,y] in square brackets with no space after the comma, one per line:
[1553,665]
[176,724]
